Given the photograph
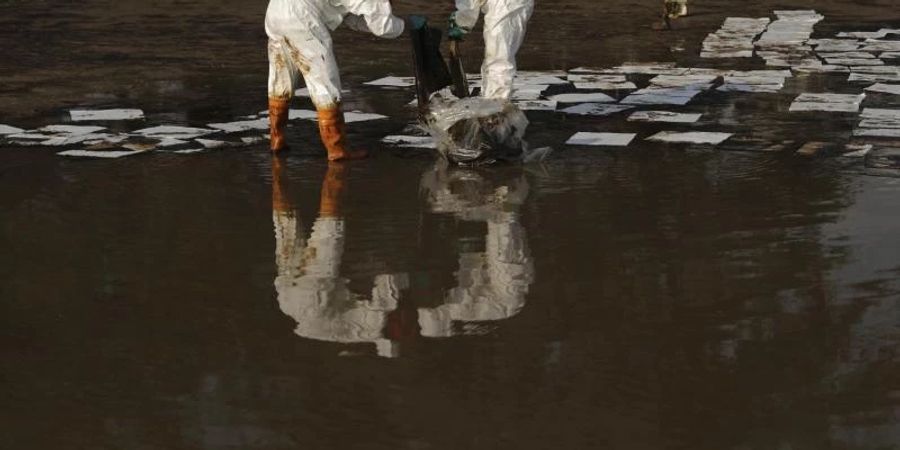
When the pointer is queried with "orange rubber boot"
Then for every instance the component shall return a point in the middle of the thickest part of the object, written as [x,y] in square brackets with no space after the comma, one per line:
[278,119]
[334,135]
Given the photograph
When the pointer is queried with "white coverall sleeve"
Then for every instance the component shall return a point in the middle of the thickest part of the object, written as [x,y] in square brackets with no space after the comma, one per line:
[378,17]
[467,12]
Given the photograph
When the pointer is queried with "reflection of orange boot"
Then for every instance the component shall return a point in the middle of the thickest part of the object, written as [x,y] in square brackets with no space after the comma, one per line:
[278,119]
[334,135]
[332,189]
[280,201]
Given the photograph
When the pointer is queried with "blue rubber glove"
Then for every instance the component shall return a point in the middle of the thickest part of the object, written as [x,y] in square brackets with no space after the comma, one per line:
[454,31]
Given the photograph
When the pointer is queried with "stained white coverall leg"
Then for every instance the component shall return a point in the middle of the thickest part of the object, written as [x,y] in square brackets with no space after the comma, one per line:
[505,22]
[300,42]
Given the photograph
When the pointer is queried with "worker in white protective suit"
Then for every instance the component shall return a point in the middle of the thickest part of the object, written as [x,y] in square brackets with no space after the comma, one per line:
[309,284]
[300,43]
[505,22]
[492,285]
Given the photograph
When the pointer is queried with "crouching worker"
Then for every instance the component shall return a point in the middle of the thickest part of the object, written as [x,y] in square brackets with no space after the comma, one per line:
[300,43]
[504,30]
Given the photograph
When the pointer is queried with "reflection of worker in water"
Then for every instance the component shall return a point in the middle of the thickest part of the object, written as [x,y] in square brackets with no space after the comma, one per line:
[504,30]
[491,285]
[309,286]
[300,43]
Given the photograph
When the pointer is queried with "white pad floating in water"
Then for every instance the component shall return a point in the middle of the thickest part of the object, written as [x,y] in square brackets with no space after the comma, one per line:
[527,77]
[410,141]
[6,129]
[877,132]
[734,39]
[240,126]
[885,88]
[596,109]
[874,74]
[81,115]
[593,97]
[601,82]
[879,122]
[853,62]
[827,102]
[820,68]
[601,139]
[690,137]
[392,82]
[300,114]
[212,143]
[847,55]
[881,113]
[108,154]
[664,116]
[29,138]
[835,45]
[536,105]
[172,131]
[79,138]
[881,46]
[71,130]
[606,85]
[357,116]
[662,96]
[170,142]
[528,91]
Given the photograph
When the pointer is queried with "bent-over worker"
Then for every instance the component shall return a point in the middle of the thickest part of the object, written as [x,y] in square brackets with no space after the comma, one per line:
[300,43]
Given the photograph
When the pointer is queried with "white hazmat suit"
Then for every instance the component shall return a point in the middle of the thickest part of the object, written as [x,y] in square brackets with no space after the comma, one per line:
[300,42]
[505,22]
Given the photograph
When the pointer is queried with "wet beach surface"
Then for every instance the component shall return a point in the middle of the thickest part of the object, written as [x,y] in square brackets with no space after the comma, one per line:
[658,296]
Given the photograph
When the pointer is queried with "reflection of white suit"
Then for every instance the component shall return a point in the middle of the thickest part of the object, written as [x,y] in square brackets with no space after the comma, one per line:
[311,290]
[492,285]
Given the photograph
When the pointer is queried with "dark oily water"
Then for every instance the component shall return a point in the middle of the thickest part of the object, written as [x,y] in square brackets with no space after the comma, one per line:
[654,297]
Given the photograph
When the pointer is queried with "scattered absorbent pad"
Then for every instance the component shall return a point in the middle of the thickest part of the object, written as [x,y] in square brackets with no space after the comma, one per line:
[664,116]
[393,82]
[879,87]
[601,139]
[242,125]
[356,116]
[6,129]
[827,102]
[596,109]
[594,97]
[536,105]
[690,137]
[172,131]
[110,154]
[879,122]
[81,115]
[71,130]
[410,141]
